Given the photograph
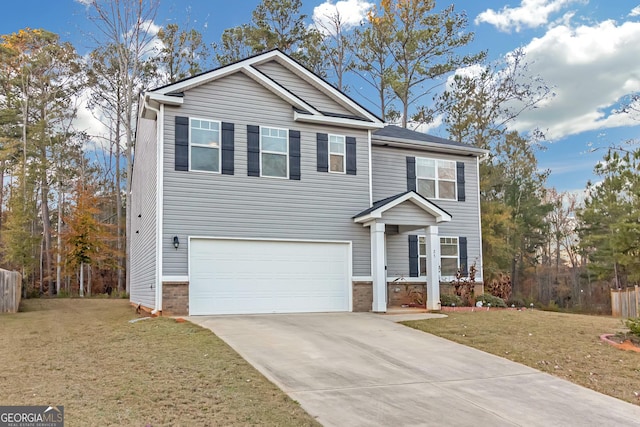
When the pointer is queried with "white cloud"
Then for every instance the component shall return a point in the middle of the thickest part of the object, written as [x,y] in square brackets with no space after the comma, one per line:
[350,12]
[635,11]
[85,2]
[590,69]
[425,127]
[530,14]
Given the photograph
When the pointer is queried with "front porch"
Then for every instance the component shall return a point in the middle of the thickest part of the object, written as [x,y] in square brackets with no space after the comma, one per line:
[404,214]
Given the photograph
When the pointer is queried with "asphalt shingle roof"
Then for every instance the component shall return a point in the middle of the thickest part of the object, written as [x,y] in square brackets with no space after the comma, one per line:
[393,131]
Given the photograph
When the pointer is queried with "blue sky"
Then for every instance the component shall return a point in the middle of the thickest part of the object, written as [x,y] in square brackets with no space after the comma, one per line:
[588,50]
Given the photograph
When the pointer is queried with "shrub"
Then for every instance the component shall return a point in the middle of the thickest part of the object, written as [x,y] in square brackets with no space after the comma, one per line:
[516,302]
[552,306]
[634,326]
[449,300]
[491,299]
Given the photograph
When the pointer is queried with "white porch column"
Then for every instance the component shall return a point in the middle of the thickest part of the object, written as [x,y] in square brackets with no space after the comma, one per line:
[433,268]
[378,268]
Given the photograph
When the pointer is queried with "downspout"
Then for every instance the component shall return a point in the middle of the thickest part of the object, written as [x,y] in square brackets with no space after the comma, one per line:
[370,170]
[481,266]
[159,182]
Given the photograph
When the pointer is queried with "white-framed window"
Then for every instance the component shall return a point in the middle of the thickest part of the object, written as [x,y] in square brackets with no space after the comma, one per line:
[436,178]
[274,152]
[422,256]
[337,154]
[449,256]
[204,145]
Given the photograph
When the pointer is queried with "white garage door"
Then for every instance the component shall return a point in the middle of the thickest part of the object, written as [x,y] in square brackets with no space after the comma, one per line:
[255,276]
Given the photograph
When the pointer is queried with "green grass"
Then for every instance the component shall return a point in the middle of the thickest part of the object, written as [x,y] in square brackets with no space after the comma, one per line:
[565,345]
[85,355]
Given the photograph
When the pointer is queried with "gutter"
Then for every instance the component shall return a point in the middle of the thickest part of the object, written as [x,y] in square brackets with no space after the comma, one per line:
[431,146]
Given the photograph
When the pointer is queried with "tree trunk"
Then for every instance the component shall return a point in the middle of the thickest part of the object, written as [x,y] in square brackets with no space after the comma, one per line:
[88,279]
[46,232]
[81,291]
[118,202]
[59,240]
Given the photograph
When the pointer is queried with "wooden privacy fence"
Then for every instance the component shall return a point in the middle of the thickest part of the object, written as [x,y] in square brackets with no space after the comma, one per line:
[625,302]
[10,291]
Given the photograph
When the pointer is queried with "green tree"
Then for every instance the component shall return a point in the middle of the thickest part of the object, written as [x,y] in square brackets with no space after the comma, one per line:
[275,24]
[40,77]
[423,45]
[479,105]
[610,232]
[181,55]
[372,61]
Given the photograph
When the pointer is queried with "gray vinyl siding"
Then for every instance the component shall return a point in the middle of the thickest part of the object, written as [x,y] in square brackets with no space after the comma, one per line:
[319,206]
[407,213]
[301,88]
[390,178]
[398,255]
[143,216]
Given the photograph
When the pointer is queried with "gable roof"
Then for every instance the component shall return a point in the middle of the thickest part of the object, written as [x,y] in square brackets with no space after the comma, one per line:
[302,110]
[381,206]
[398,136]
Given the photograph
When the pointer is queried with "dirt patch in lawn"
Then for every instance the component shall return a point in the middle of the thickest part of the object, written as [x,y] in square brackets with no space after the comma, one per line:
[565,345]
[85,355]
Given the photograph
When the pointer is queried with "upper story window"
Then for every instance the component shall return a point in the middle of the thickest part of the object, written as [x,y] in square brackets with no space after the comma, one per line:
[337,153]
[274,152]
[204,145]
[436,178]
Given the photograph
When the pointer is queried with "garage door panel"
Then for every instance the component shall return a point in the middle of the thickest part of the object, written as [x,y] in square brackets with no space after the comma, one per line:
[244,276]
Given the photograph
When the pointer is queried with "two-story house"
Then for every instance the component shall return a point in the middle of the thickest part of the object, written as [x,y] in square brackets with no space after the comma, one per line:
[260,188]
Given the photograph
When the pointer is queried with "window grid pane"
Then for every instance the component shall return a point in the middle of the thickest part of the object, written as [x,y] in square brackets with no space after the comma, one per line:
[448,267]
[436,178]
[427,188]
[205,159]
[274,140]
[204,141]
[336,162]
[274,165]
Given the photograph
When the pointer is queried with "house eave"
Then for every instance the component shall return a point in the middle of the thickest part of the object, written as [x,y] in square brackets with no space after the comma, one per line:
[383,141]
[152,102]
[439,214]
[335,121]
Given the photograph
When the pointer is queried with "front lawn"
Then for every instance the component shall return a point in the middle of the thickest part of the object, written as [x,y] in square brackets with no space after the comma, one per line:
[565,345]
[85,355]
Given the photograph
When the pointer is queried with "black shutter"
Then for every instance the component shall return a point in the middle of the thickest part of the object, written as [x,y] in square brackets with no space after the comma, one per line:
[411,174]
[323,152]
[460,181]
[413,256]
[294,154]
[351,155]
[253,150]
[227,148]
[182,143]
[462,247]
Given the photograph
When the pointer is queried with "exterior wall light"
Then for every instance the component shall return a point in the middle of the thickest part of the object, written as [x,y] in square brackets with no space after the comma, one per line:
[176,242]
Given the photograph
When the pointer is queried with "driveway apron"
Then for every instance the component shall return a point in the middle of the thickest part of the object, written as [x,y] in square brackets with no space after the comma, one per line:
[361,369]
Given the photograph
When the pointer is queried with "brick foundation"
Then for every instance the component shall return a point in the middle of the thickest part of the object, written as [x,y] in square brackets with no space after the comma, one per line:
[175,298]
[362,296]
[411,294]
[447,288]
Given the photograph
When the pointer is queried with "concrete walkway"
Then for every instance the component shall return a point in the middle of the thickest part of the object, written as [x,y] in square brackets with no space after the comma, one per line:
[362,369]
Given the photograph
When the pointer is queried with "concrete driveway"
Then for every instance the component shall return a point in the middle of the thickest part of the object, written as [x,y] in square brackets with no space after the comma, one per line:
[363,369]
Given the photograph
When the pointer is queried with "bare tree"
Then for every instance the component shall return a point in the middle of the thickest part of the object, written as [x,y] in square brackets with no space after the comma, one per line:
[128,26]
